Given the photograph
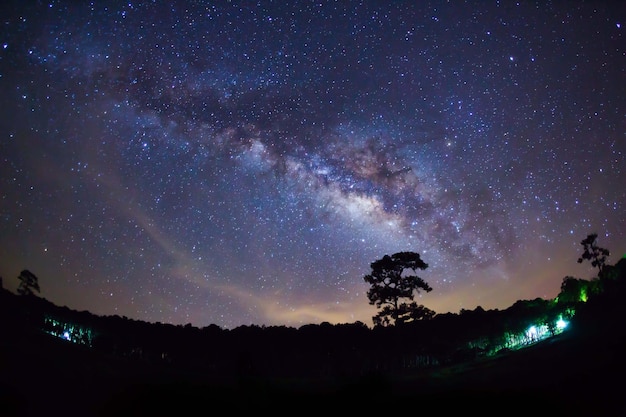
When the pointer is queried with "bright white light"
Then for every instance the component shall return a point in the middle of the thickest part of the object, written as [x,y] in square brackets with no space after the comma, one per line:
[66,336]
[532,332]
[561,324]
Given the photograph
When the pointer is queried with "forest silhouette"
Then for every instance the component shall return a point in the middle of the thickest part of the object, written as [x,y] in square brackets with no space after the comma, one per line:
[55,360]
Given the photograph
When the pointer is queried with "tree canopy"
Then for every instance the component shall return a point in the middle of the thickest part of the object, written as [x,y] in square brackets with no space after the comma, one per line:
[28,283]
[594,253]
[389,285]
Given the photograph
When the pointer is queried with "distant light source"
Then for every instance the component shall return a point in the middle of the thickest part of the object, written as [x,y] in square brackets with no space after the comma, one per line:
[66,336]
[561,324]
[532,332]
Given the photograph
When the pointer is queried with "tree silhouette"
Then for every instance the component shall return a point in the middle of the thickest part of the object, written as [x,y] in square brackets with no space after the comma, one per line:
[388,286]
[573,290]
[28,283]
[594,253]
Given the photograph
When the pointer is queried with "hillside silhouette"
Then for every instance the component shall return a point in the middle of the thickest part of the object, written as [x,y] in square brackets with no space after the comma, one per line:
[57,361]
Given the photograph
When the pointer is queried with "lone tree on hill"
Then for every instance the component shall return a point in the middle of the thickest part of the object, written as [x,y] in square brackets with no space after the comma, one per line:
[389,286]
[594,253]
[28,283]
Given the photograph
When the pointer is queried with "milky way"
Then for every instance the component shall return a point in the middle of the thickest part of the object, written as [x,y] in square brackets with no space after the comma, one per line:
[239,163]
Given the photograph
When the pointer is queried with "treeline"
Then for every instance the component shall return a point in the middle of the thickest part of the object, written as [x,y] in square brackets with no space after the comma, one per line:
[322,350]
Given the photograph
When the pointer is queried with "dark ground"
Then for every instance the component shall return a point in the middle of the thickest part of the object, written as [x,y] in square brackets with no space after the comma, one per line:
[569,375]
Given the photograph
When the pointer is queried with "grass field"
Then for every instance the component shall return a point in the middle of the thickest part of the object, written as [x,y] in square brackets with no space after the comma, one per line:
[567,375]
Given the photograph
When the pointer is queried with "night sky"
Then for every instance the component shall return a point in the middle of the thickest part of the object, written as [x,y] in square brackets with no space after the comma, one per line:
[238,163]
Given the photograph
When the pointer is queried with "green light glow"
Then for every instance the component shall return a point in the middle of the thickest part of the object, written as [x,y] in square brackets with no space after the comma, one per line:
[69,331]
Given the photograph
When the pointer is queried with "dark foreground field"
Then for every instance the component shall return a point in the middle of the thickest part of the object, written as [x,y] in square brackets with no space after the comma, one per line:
[569,375]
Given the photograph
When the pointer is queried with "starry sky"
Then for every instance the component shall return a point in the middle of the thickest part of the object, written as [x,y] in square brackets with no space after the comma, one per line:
[239,162]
